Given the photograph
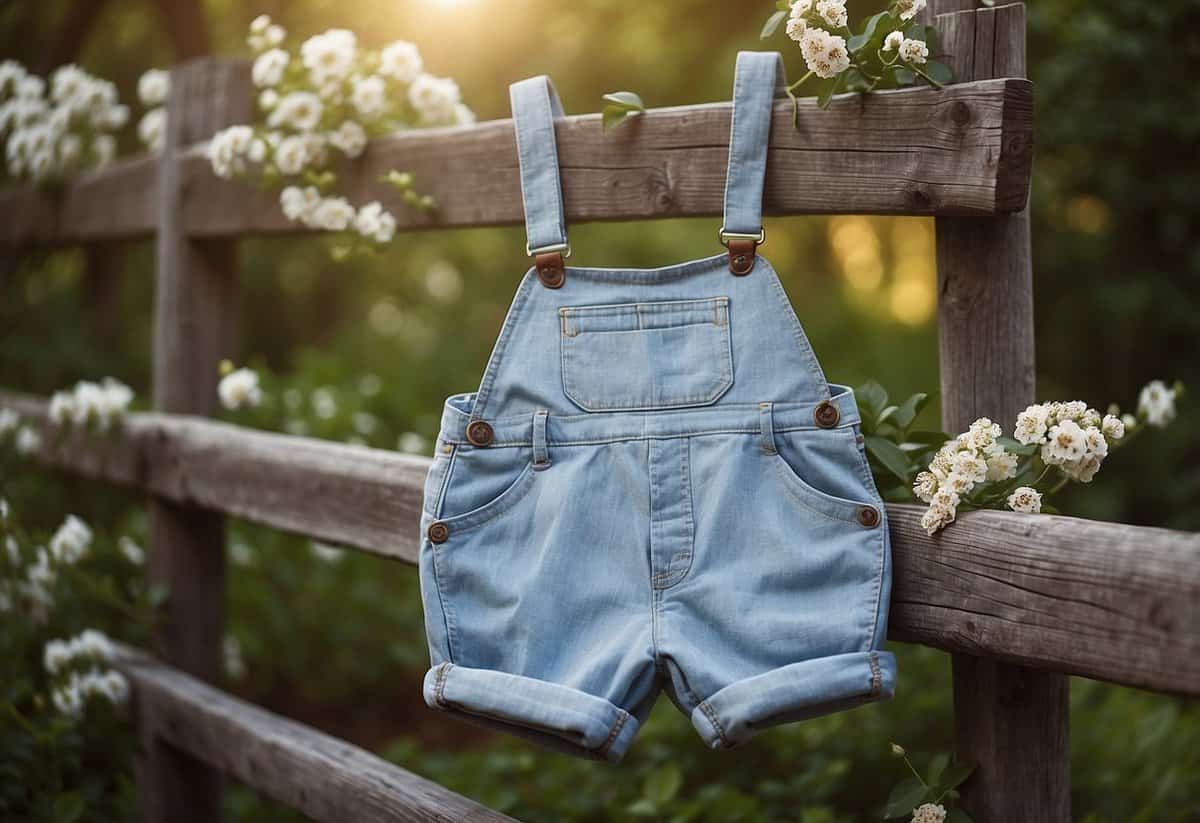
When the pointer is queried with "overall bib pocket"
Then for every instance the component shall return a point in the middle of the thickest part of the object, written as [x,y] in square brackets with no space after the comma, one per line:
[646,356]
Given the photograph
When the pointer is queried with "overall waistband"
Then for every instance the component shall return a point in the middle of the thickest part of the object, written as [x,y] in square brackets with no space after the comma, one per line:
[610,427]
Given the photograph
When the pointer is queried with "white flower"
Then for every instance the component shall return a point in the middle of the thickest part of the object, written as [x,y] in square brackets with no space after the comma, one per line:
[268,68]
[259,24]
[796,26]
[274,35]
[1084,469]
[28,441]
[1113,427]
[11,73]
[937,518]
[369,96]
[227,150]
[463,116]
[1025,500]
[983,433]
[56,654]
[239,388]
[257,151]
[70,543]
[134,553]
[268,99]
[1066,442]
[929,812]
[434,98]
[1001,466]
[350,139]
[325,552]
[329,56]
[893,41]
[1156,403]
[412,443]
[800,8]
[1031,424]
[30,87]
[153,87]
[152,130]
[301,110]
[971,467]
[400,61]
[908,9]
[291,155]
[825,54]
[9,420]
[70,149]
[958,483]
[231,654]
[332,214]
[833,12]
[1096,444]
[297,203]
[374,223]
[913,51]
[104,147]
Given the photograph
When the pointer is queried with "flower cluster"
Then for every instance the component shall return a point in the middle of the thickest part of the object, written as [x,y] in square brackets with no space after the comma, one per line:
[77,666]
[975,456]
[929,813]
[26,439]
[153,88]
[101,405]
[825,54]
[325,101]
[1053,444]
[58,128]
[1071,436]
[32,587]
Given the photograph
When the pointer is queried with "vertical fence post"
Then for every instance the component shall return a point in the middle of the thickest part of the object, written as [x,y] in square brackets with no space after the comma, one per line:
[1012,720]
[195,296]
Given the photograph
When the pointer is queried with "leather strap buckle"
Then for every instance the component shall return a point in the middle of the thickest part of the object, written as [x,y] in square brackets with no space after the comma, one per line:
[549,261]
[742,249]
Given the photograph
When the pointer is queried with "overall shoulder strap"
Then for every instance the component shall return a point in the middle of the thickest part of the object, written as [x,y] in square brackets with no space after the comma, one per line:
[535,105]
[758,79]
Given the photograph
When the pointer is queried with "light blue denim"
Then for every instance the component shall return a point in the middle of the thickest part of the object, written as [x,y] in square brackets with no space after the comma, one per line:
[660,505]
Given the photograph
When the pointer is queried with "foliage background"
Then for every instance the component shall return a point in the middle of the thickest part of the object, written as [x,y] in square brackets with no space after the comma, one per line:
[339,643]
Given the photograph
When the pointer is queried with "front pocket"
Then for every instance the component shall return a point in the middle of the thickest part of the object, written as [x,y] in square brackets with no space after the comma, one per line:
[641,356]
[494,507]
[823,471]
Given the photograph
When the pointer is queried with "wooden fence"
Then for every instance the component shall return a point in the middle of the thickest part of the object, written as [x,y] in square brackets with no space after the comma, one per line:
[1019,601]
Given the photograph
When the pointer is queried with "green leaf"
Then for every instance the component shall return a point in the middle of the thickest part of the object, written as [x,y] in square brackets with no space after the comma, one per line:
[957,815]
[783,5]
[889,456]
[937,439]
[663,784]
[904,77]
[955,775]
[936,767]
[613,116]
[905,797]
[628,100]
[940,72]
[872,398]
[772,24]
[68,807]
[907,411]
[642,808]
[933,39]
[868,33]
[856,80]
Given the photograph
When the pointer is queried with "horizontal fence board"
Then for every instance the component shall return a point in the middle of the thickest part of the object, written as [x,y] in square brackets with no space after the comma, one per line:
[964,150]
[1104,600]
[327,779]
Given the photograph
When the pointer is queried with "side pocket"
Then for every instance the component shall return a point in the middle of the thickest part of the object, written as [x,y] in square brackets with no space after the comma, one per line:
[436,478]
[495,507]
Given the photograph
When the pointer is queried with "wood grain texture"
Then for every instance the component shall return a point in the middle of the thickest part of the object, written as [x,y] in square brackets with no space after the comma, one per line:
[194,310]
[327,779]
[1104,600]
[1010,719]
[965,150]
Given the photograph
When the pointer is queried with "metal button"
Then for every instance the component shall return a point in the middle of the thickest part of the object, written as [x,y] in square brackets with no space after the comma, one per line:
[480,433]
[438,532]
[552,277]
[827,415]
[868,517]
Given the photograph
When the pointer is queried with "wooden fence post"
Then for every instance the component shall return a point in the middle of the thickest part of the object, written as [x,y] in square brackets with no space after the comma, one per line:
[1012,720]
[195,299]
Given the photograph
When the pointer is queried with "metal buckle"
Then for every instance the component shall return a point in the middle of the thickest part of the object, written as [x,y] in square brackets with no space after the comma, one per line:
[565,248]
[726,236]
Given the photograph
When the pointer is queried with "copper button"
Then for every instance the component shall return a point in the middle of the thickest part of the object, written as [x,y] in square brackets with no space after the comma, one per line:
[827,415]
[868,517]
[480,433]
[439,532]
[552,277]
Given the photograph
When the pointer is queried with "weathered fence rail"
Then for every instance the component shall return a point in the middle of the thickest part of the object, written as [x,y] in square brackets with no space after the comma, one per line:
[1020,601]
[965,150]
[1105,600]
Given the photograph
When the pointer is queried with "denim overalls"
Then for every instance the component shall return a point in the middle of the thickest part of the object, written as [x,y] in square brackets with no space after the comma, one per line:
[654,487]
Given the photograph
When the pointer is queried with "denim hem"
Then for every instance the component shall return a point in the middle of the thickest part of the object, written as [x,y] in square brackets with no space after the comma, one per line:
[549,713]
[795,692]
